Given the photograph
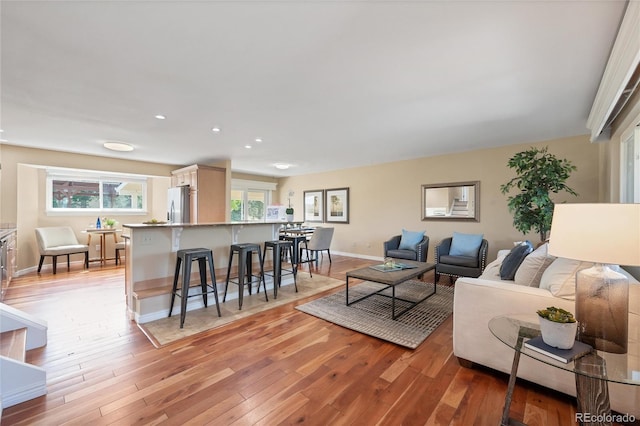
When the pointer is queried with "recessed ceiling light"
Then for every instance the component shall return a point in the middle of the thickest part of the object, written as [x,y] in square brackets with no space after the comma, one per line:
[282,166]
[160,117]
[1,130]
[258,140]
[215,129]
[118,146]
[248,146]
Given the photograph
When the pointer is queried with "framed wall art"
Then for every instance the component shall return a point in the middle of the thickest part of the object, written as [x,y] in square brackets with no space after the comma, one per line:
[337,205]
[314,206]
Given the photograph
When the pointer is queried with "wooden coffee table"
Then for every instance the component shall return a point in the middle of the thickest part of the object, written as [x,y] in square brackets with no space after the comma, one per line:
[391,279]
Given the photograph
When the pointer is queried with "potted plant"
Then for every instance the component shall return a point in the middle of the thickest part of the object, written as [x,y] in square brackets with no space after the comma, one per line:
[289,210]
[558,327]
[110,222]
[539,174]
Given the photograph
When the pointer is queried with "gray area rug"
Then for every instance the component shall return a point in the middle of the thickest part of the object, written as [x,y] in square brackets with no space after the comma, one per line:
[372,316]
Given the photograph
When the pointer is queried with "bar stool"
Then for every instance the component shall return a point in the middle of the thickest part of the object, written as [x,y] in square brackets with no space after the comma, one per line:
[279,247]
[296,240]
[184,258]
[245,251]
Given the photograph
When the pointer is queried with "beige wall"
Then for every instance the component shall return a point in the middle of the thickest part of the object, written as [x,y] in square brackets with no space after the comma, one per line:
[386,198]
[22,190]
[383,198]
[23,187]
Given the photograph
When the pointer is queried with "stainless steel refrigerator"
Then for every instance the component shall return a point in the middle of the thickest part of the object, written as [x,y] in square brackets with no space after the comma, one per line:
[178,203]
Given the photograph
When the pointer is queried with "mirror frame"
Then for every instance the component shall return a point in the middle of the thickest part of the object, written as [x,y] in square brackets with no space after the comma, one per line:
[476,201]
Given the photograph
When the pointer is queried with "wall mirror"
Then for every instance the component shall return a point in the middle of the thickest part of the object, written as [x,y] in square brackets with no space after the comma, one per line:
[451,201]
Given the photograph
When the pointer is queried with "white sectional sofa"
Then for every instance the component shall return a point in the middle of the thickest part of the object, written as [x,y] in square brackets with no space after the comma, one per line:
[540,281]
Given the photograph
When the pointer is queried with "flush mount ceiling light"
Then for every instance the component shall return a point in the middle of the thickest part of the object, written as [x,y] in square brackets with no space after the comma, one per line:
[282,166]
[215,129]
[160,117]
[118,146]
[258,140]
[248,146]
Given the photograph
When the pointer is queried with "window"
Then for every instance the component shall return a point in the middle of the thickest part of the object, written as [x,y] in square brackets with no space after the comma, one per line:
[248,204]
[249,199]
[630,166]
[83,191]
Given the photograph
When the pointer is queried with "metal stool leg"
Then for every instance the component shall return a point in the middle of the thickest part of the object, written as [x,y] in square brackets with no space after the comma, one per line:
[226,287]
[175,283]
[242,260]
[264,282]
[277,270]
[186,277]
[202,266]
[264,258]
[248,271]
[295,273]
[214,285]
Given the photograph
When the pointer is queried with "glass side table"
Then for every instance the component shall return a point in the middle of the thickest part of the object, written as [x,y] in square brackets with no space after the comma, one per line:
[592,371]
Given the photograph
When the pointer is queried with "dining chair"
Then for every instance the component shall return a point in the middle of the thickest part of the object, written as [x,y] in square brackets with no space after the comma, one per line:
[320,241]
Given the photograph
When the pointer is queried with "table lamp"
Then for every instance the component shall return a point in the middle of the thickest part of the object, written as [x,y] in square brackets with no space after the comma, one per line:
[606,234]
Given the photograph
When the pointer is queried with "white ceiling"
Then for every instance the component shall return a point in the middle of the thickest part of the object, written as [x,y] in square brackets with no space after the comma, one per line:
[326,84]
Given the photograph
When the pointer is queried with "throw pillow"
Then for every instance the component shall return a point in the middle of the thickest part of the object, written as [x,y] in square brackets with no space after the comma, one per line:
[492,271]
[465,244]
[513,260]
[533,266]
[560,277]
[410,239]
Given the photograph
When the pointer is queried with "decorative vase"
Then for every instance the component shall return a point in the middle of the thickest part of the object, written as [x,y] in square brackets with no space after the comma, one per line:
[289,218]
[560,335]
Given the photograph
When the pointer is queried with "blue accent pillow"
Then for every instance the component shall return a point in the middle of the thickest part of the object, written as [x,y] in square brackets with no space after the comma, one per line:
[512,262]
[465,244]
[410,239]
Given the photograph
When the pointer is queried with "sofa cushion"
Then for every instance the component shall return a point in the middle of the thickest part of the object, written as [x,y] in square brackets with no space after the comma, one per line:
[410,239]
[467,261]
[560,277]
[513,260]
[402,254]
[492,270]
[465,244]
[530,271]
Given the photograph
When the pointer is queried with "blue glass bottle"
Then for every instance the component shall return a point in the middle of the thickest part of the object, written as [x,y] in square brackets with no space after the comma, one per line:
[98,224]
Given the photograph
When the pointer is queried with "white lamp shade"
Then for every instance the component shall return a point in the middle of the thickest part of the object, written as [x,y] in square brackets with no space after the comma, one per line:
[599,233]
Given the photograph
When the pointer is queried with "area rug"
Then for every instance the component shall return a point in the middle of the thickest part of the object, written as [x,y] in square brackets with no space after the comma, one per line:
[167,330]
[372,316]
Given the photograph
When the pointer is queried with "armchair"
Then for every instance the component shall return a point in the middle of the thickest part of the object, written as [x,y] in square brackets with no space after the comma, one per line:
[59,241]
[459,265]
[391,249]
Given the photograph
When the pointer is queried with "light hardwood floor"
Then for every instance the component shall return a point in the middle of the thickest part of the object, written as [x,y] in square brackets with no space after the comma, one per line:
[278,367]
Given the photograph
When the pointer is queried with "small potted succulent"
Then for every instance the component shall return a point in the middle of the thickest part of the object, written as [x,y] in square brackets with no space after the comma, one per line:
[289,210]
[558,327]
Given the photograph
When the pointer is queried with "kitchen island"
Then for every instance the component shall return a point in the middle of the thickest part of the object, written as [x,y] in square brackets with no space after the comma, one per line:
[150,259]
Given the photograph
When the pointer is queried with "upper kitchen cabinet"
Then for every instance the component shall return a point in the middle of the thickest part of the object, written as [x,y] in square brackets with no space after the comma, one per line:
[207,191]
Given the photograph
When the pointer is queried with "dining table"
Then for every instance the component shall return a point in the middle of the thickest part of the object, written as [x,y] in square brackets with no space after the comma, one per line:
[296,235]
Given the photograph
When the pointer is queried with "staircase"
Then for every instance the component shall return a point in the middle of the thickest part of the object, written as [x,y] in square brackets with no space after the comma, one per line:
[19,380]
[460,208]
